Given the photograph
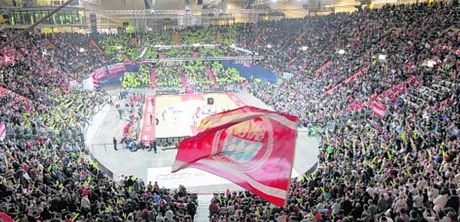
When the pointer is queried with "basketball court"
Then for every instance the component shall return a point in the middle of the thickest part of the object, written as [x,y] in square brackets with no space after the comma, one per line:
[173,116]
[180,114]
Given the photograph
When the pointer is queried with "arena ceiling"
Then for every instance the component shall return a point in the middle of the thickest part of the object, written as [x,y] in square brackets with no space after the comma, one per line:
[180,4]
[148,13]
[196,4]
[291,8]
[142,12]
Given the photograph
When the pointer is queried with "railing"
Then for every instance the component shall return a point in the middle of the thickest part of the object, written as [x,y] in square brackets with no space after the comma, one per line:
[203,12]
[161,143]
[190,59]
[101,166]
[162,47]
[181,90]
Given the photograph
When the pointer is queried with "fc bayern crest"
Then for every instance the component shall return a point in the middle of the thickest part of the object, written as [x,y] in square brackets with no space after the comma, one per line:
[246,145]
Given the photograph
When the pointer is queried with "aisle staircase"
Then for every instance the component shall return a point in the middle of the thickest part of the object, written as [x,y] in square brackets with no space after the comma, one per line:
[5,91]
[153,78]
[349,79]
[202,211]
[211,75]
[291,61]
[323,67]
[195,55]
[183,79]
[94,44]
[256,41]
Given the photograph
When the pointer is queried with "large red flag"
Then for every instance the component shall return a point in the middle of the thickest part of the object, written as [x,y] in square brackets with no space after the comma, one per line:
[5,218]
[251,147]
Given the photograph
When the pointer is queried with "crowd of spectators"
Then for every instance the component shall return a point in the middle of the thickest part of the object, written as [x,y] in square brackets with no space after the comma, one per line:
[130,47]
[198,74]
[399,166]
[46,174]
[403,166]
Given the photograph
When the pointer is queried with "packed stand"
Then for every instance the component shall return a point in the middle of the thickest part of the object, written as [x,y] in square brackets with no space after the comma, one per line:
[402,166]
[45,171]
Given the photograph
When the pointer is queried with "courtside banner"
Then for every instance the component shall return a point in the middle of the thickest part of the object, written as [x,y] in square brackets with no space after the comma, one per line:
[116,68]
[251,147]
[99,73]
